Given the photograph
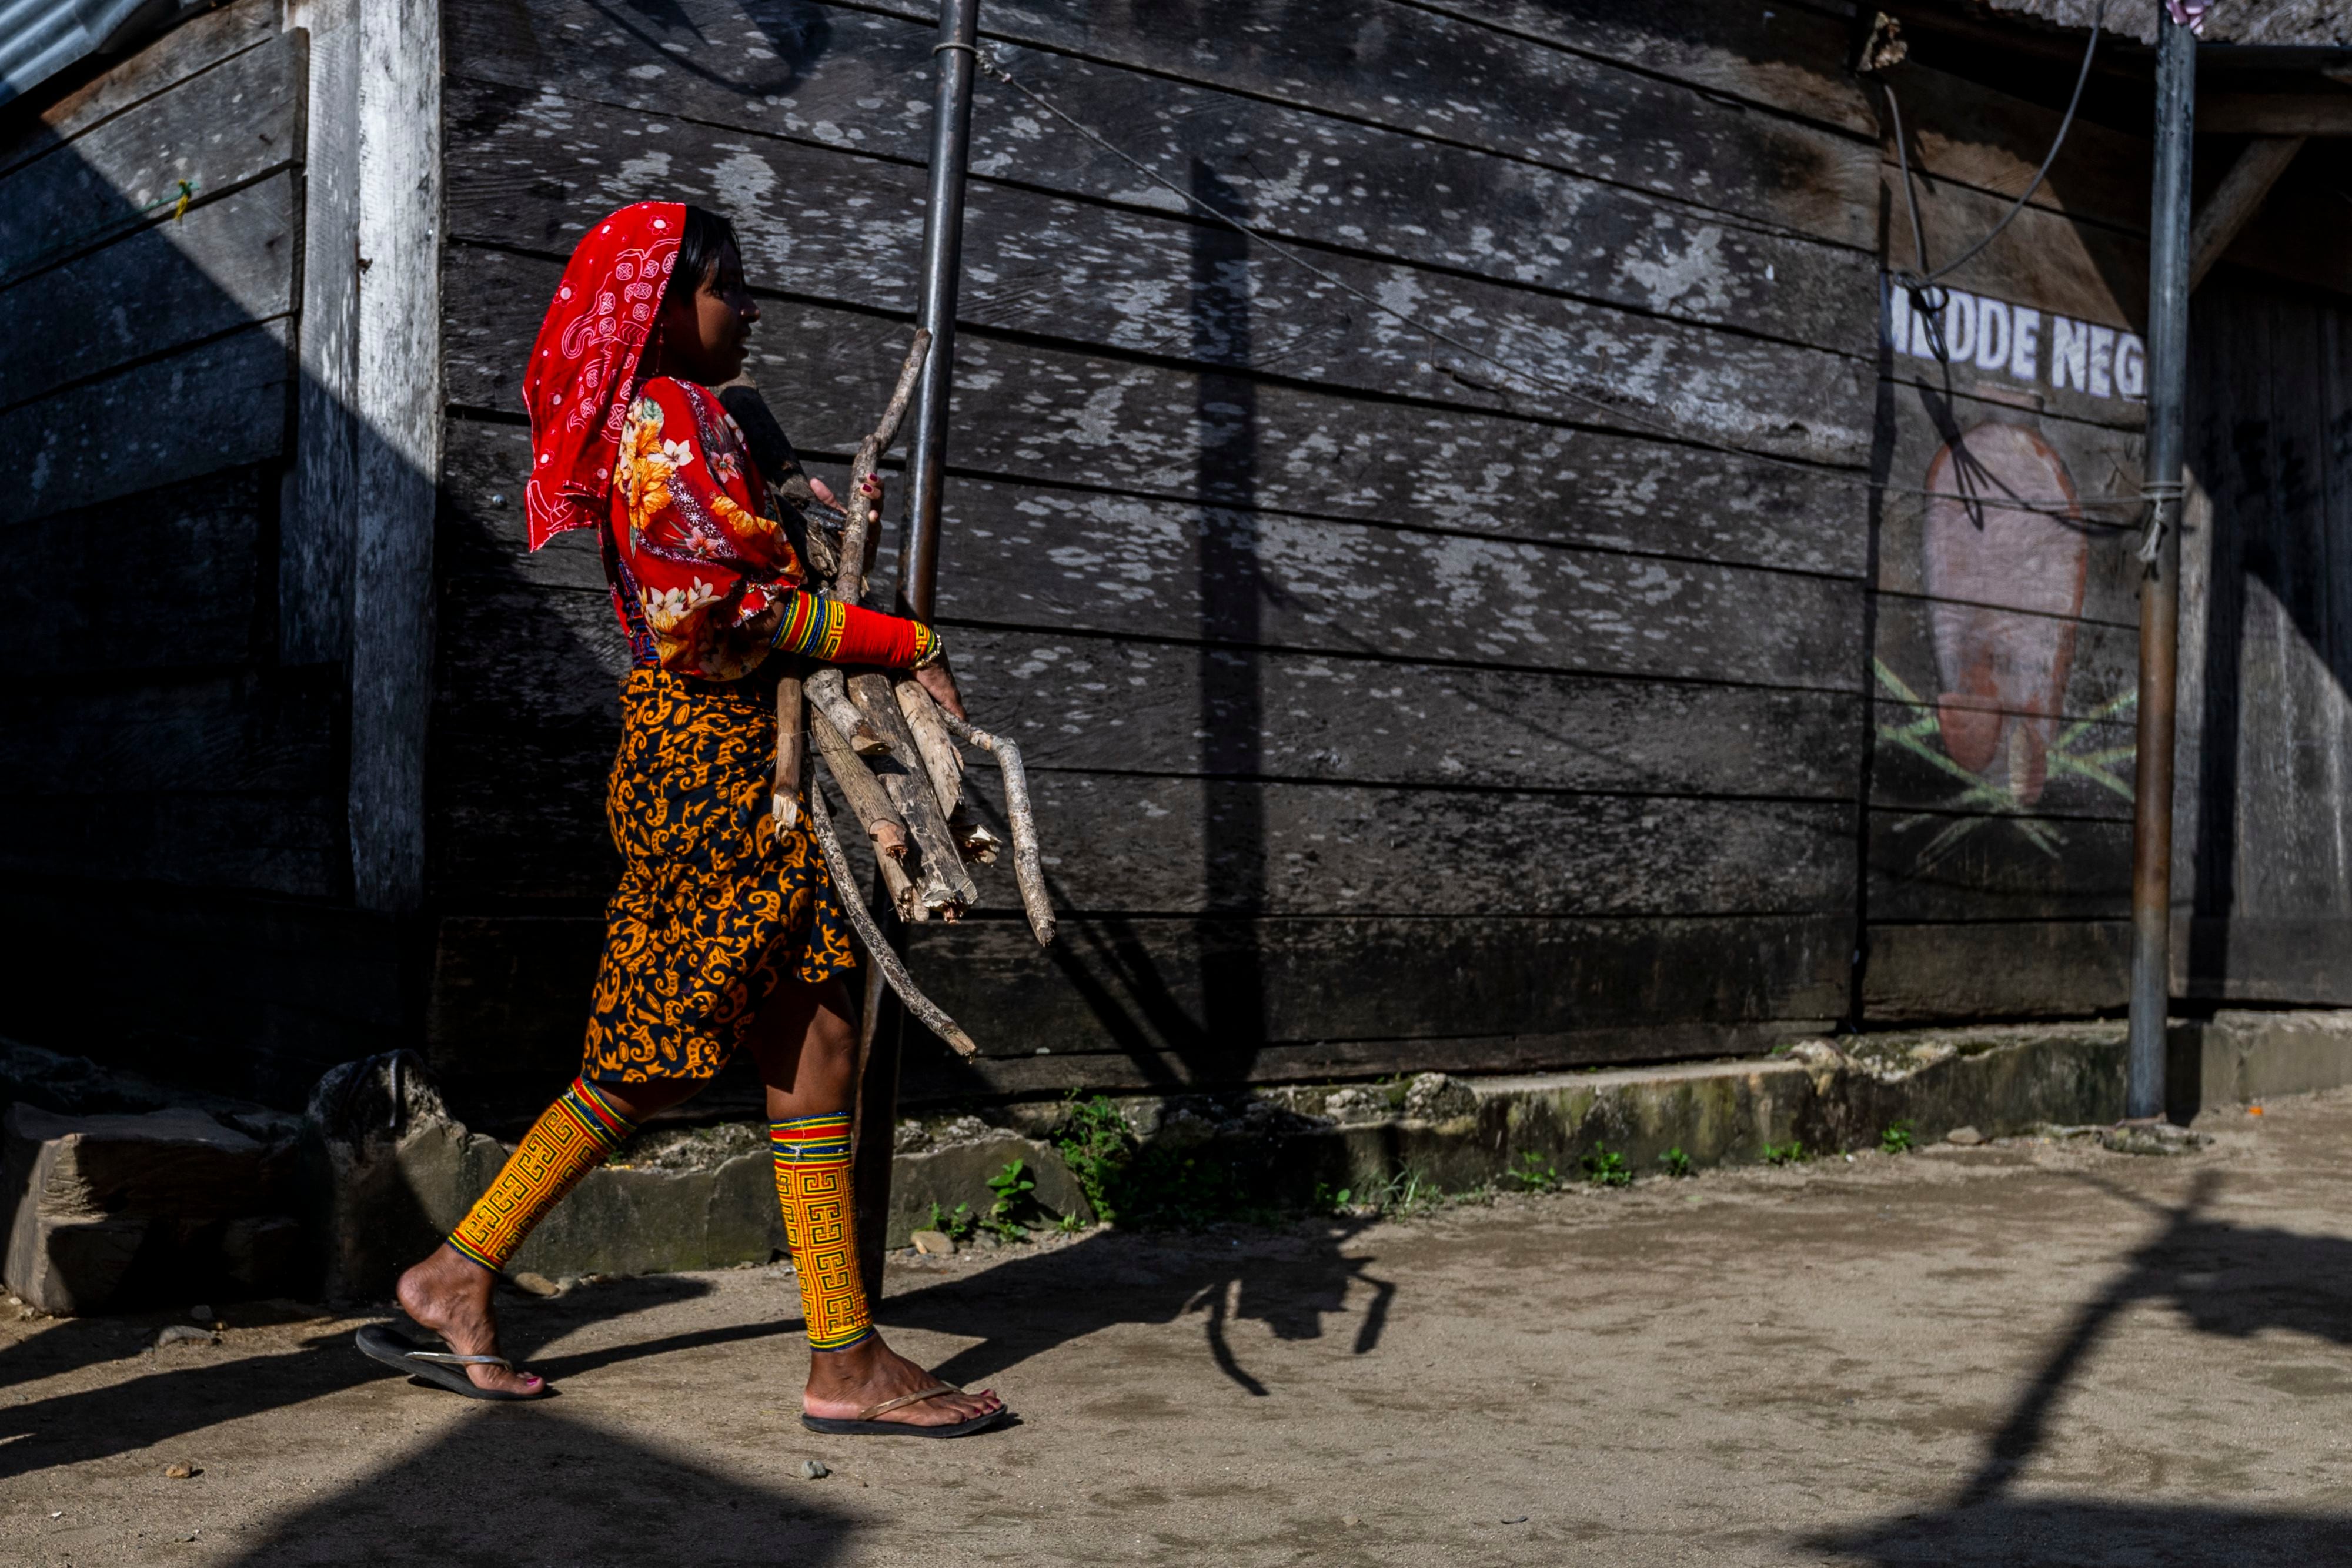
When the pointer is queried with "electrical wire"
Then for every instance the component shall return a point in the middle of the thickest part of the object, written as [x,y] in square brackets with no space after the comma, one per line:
[990,65]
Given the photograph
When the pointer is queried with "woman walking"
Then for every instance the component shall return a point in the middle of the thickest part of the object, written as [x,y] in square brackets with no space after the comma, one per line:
[725,934]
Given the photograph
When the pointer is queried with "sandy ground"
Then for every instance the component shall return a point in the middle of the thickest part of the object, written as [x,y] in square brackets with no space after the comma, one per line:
[2013,1354]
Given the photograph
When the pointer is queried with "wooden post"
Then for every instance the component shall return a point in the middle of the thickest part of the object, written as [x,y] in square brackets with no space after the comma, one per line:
[877,1092]
[2160,591]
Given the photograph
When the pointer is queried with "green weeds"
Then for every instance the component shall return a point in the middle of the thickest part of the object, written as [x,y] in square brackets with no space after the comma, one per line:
[1605,1166]
[1675,1163]
[1896,1138]
[1793,1153]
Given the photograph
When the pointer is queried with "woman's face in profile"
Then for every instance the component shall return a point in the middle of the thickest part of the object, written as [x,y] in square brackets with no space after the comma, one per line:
[707,335]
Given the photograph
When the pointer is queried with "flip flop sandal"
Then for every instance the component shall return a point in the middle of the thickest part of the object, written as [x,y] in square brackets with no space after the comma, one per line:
[378,1341]
[864,1425]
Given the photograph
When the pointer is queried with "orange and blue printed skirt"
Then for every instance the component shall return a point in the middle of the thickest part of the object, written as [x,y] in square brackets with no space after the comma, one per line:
[716,907]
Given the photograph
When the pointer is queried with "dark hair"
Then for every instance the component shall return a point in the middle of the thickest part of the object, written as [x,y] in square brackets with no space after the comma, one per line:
[705,242]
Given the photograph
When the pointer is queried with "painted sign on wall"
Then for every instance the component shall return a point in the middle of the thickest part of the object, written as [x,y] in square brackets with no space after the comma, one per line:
[2020,342]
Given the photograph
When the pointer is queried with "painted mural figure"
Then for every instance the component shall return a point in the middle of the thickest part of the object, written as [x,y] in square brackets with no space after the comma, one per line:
[2003,674]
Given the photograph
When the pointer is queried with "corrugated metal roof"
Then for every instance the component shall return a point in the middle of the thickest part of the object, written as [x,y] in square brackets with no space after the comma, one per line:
[39,38]
[2326,24]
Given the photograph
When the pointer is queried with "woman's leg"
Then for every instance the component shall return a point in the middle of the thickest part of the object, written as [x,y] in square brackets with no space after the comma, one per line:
[807,1047]
[449,1292]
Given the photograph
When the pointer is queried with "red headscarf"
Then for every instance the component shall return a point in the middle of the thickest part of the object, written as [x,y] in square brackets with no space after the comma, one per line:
[583,368]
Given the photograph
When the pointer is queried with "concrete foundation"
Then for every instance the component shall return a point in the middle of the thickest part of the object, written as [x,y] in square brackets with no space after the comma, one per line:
[388,1170]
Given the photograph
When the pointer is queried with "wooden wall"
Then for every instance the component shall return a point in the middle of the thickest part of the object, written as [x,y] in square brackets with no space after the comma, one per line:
[1385,714]
[171,881]
[2264,870]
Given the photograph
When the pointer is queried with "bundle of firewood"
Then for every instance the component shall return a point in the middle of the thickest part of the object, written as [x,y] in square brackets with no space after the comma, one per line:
[892,752]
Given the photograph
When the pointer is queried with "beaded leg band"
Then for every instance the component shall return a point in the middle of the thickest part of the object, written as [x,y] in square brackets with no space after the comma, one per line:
[820,1223]
[570,1138]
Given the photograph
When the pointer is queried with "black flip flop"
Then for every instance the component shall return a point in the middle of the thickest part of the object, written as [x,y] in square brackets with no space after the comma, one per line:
[380,1342]
[864,1425]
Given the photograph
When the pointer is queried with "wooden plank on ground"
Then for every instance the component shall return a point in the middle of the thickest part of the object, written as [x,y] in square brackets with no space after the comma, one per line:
[1142,428]
[179,419]
[228,265]
[1918,974]
[194,46]
[174,585]
[847,229]
[225,128]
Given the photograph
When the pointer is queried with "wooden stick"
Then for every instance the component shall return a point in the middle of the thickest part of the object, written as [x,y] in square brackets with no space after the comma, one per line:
[941,760]
[828,692]
[849,578]
[947,890]
[869,802]
[1027,868]
[792,751]
[877,951]
[973,838]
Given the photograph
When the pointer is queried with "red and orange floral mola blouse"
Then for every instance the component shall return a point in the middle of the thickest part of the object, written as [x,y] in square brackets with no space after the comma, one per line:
[704,577]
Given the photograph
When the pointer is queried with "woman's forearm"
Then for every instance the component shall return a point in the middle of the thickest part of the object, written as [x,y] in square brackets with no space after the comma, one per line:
[834,633]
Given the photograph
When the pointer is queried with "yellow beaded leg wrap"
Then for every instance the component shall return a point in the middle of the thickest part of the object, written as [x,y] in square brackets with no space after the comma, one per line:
[821,1223]
[570,1138]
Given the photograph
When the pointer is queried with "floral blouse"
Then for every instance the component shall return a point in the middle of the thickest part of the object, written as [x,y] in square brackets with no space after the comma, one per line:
[704,577]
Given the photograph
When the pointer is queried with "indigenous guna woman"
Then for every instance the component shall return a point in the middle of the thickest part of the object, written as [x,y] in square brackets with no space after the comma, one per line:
[725,934]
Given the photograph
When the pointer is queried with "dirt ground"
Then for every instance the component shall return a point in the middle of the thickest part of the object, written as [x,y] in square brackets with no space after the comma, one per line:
[2011,1355]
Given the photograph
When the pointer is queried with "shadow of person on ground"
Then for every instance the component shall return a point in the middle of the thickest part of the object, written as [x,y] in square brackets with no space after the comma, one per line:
[1032,1304]
[2225,1278]
[510,1485]
[195,1385]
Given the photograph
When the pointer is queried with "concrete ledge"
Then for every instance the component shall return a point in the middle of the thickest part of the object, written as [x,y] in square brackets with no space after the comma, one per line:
[2237,1058]
[389,1171]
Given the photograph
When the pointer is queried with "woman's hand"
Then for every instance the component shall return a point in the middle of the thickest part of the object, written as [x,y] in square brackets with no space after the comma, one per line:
[940,682]
[871,489]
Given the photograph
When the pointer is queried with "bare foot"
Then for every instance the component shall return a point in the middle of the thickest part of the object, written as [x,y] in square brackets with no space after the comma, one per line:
[842,1383]
[449,1293]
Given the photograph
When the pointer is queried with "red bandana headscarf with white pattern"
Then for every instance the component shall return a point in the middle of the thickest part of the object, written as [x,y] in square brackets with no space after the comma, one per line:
[583,368]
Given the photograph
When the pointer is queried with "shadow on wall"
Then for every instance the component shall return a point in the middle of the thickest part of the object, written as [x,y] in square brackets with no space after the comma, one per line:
[2228,1279]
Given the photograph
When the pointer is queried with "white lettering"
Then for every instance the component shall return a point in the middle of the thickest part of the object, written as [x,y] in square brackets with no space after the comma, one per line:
[2070,343]
[1992,335]
[2131,366]
[2102,344]
[1960,328]
[1898,317]
[2025,343]
[1925,326]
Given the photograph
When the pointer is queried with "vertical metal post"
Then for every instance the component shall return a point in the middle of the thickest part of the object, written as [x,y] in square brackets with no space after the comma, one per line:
[927,447]
[2159,599]
[918,559]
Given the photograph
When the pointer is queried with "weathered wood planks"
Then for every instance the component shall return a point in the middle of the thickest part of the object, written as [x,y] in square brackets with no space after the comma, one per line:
[1145,428]
[221,129]
[846,228]
[180,587]
[163,421]
[160,288]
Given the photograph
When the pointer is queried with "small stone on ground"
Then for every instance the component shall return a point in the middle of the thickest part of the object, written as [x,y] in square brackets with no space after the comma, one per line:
[814,1469]
[933,1243]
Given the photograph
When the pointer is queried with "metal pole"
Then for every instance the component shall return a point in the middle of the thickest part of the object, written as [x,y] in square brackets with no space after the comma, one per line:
[918,560]
[2159,599]
[927,447]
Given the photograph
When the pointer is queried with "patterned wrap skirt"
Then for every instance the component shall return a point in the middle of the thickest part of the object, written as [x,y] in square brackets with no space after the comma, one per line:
[716,908]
